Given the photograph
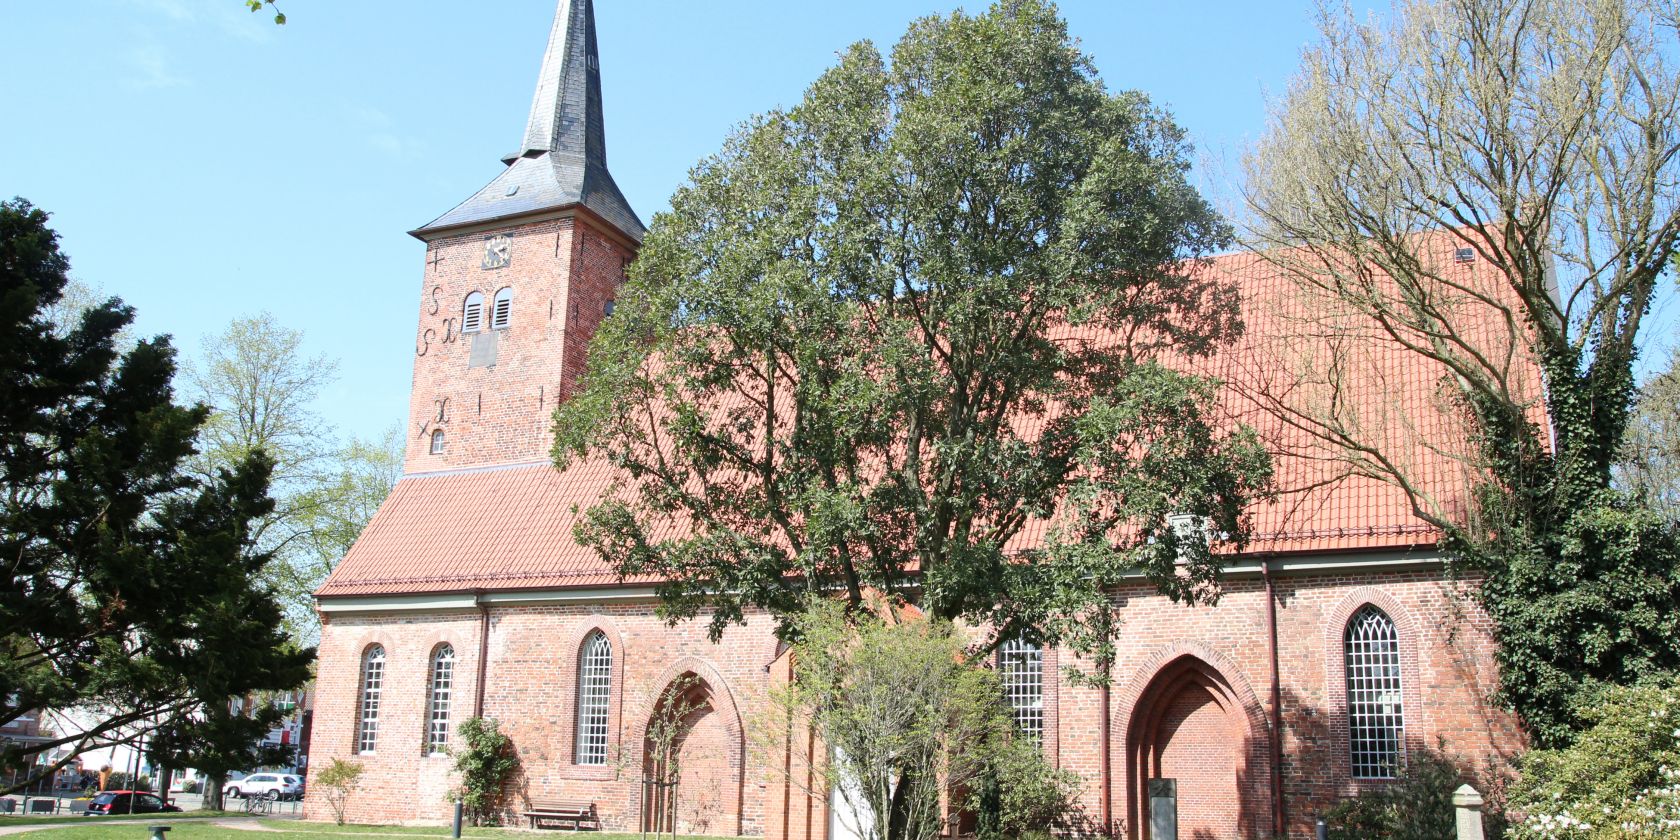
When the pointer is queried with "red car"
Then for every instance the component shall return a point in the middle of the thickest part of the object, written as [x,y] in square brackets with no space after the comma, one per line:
[126,802]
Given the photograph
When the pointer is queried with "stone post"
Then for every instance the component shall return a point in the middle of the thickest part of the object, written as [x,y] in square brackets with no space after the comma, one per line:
[1468,803]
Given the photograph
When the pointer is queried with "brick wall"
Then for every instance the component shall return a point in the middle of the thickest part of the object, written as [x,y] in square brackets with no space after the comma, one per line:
[1448,676]
[562,273]
[531,689]
[1196,734]
[1192,682]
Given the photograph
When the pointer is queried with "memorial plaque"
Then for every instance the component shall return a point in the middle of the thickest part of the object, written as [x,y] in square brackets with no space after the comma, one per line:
[1163,809]
[483,352]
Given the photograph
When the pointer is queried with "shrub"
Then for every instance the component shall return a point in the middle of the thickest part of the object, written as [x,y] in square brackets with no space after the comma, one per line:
[189,786]
[121,781]
[1020,794]
[484,762]
[336,783]
[1619,780]
[904,713]
[1415,806]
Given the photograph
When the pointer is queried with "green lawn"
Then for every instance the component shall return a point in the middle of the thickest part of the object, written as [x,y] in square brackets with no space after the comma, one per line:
[190,826]
[318,829]
[16,819]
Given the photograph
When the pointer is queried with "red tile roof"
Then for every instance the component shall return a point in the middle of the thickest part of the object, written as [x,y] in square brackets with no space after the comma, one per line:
[510,528]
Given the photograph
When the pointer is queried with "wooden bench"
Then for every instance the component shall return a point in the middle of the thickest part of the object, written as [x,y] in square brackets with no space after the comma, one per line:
[544,812]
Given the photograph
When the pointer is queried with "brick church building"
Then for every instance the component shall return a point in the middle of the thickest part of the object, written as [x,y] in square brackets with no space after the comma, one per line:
[1341,644]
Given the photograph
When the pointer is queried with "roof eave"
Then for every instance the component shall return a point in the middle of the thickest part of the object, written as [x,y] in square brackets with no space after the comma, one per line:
[432,231]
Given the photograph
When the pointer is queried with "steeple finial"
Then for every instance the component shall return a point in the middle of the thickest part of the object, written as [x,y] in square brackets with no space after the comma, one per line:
[566,110]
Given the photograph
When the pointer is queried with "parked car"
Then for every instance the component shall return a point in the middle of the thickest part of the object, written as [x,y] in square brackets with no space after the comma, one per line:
[281,785]
[126,802]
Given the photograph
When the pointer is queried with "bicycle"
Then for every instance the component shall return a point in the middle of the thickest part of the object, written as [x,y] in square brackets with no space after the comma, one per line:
[262,805]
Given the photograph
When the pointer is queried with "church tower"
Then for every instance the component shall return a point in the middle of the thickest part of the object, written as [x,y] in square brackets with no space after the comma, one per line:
[518,277]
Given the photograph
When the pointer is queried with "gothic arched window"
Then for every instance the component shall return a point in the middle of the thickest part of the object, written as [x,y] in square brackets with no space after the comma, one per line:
[1021,664]
[373,681]
[437,441]
[594,691]
[472,313]
[437,707]
[1376,725]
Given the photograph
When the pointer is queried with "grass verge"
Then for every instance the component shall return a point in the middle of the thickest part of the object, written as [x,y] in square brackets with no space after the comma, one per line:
[193,826]
[18,819]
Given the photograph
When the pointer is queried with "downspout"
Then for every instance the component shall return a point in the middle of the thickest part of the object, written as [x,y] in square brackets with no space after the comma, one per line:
[1105,762]
[483,650]
[1104,771]
[1277,701]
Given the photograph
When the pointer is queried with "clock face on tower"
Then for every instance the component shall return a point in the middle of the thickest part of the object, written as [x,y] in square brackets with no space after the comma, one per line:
[497,250]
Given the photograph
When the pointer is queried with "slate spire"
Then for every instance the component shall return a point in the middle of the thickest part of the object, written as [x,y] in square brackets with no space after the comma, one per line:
[562,160]
[566,110]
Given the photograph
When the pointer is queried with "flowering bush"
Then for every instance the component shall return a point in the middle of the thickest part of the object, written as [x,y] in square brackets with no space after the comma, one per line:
[1620,780]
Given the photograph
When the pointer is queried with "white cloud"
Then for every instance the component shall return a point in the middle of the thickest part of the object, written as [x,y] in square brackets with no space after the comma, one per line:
[233,19]
[377,130]
[151,68]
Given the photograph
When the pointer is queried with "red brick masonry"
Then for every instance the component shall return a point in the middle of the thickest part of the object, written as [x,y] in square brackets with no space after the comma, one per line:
[1189,698]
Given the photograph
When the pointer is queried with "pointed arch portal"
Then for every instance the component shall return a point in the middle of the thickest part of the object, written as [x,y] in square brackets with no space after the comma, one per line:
[1191,725]
[707,752]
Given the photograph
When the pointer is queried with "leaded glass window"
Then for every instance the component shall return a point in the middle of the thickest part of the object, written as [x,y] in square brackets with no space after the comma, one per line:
[1021,664]
[594,689]
[437,715]
[1376,724]
[373,680]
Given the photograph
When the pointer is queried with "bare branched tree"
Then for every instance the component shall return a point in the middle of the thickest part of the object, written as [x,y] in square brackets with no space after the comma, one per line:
[1650,464]
[263,393]
[1488,190]
[1539,134]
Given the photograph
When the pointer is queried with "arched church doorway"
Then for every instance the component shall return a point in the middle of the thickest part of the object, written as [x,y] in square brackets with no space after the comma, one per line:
[690,762]
[1191,727]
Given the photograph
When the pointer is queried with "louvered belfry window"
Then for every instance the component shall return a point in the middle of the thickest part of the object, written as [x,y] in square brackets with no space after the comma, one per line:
[594,690]
[373,680]
[502,309]
[437,717]
[1376,725]
[472,313]
[1021,664]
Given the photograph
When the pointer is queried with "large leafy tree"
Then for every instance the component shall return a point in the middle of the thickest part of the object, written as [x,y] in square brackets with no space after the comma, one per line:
[1541,137]
[133,587]
[910,335]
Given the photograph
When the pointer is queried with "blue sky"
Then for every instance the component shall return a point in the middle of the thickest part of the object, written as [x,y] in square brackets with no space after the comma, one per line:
[203,163]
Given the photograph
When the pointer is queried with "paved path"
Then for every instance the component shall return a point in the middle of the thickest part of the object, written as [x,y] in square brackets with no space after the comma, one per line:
[253,825]
[242,824]
[19,829]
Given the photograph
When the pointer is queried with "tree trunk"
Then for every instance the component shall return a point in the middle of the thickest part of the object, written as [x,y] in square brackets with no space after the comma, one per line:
[898,811]
[213,791]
